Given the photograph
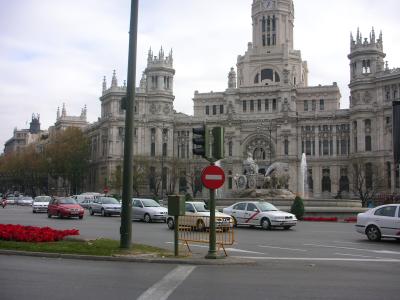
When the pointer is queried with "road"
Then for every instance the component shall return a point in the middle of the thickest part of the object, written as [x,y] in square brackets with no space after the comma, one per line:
[310,240]
[312,261]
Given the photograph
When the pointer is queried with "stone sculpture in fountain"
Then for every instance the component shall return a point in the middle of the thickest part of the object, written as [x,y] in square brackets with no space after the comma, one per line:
[272,184]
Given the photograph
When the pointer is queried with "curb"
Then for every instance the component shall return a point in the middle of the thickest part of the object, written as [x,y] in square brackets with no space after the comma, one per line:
[330,219]
[137,259]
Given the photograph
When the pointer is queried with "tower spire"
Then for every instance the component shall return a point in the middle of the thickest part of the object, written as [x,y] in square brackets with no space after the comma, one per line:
[104,84]
[114,81]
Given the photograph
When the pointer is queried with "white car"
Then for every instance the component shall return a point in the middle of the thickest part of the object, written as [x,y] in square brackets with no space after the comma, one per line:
[197,216]
[40,204]
[264,214]
[381,221]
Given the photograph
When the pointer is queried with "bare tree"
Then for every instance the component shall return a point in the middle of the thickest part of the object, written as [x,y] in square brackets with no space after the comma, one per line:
[367,180]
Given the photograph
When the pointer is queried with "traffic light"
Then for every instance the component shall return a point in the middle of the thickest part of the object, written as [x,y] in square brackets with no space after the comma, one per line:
[218,143]
[201,143]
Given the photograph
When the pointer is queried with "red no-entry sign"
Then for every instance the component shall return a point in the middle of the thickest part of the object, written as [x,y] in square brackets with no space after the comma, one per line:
[213,177]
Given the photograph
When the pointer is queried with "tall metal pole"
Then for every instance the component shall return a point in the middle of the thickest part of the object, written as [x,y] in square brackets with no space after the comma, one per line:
[212,250]
[127,184]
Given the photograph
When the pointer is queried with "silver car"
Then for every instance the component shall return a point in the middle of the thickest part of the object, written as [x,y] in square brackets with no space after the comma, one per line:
[148,210]
[24,200]
[106,206]
[40,204]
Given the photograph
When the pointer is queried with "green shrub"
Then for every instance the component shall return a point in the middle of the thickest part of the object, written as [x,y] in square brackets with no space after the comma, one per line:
[298,208]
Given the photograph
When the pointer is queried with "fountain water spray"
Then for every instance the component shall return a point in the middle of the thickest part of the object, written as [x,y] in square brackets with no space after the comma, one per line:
[303,178]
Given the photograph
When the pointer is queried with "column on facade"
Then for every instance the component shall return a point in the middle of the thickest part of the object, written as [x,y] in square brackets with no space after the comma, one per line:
[317,171]
[335,176]
[335,141]
[361,135]
[317,141]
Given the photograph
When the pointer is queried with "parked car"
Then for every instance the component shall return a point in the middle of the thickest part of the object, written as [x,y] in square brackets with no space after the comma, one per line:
[40,204]
[64,207]
[10,199]
[106,206]
[381,221]
[24,200]
[256,213]
[86,203]
[148,210]
[198,217]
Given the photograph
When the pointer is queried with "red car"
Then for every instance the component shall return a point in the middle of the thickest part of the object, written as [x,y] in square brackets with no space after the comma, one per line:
[65,208]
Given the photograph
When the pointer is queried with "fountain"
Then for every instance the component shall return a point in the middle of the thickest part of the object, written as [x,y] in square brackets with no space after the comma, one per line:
[303,178]
[273,184]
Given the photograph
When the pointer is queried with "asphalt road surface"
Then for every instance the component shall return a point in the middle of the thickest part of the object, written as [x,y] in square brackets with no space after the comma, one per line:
[311,261]
[307,240]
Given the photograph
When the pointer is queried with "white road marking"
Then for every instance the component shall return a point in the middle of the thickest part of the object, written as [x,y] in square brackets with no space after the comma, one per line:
[243,251]
[340,242]
[355,255]
[162,289]
[291,249]
[227,249]
[321,259]
[357,249]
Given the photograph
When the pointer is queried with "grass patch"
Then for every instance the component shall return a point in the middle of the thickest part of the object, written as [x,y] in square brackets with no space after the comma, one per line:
[100,247]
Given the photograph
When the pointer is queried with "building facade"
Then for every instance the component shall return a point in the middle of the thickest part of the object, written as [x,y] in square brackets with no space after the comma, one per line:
[269,112]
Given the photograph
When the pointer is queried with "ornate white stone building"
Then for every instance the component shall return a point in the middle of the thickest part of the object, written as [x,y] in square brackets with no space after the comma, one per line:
[268,109]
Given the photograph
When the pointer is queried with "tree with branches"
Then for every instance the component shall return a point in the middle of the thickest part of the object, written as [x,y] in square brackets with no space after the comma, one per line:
[367,180]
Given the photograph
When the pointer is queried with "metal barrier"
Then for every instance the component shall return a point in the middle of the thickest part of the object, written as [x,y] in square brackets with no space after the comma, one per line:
[196,229]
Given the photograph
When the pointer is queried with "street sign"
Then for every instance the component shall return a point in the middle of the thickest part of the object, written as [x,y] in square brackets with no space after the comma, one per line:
[106,190]
[213,177]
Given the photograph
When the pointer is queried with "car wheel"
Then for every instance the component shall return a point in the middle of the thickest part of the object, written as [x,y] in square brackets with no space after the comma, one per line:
[103,213]
[265,224]
[49,215]
[200,225]
[170,223]
[91,212]
[81,217]
[59,215]
[34,211]
[373,233]
[147,218]
[287,227]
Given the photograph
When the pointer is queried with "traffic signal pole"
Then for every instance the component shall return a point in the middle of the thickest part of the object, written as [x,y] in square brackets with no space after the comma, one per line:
[210,145]
[127,184]
[212,249]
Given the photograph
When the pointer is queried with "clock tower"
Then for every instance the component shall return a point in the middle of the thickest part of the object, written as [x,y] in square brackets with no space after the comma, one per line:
[273,22]
[270,59]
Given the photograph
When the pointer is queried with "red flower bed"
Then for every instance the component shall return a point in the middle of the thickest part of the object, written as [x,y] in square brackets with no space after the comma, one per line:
[320,219]
[351,219]
[21,233]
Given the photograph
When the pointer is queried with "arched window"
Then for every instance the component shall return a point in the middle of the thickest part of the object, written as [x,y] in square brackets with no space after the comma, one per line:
[326,181]
[267,74]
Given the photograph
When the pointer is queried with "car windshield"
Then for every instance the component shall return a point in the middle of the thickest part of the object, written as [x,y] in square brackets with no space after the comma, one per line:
[265,206]
[26,198]
[150,203]
[67,201]
[200,207]
[109,201]
[43,199]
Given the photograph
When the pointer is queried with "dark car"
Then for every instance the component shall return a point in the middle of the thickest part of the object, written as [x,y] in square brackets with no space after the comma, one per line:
[65,208]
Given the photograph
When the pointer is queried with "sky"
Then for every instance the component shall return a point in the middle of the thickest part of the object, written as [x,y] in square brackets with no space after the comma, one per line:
[58,51]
